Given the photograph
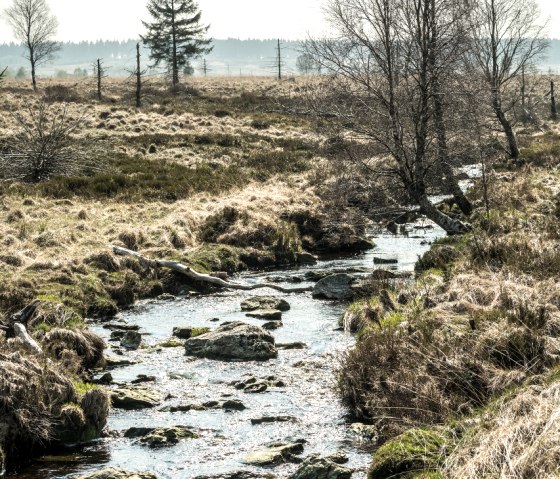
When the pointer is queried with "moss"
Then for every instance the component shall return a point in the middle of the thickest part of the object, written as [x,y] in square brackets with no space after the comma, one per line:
[82,388]
[171,343]
[199,331]
[213,257]
[407,455]
[440,256]
[393,319]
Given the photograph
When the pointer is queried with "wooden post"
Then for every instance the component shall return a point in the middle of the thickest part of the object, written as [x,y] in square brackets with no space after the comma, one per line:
[138,78]
[279,61]
[99,77]
[553,110]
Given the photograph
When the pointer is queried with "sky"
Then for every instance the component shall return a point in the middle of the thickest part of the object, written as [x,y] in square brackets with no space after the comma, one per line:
[287,19]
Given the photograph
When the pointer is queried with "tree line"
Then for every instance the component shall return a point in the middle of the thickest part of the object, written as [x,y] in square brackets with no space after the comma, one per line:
[174,35]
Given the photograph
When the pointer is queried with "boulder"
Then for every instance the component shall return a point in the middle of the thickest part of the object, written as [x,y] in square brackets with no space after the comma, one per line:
[336,286]
[233,405]
[271,325]
[265,302]
[239,475]
[161,436]
[135,398]
[131,340]
[275,454]
[317,467]
[266,314]
[305,258]
[116,473]
[233,341]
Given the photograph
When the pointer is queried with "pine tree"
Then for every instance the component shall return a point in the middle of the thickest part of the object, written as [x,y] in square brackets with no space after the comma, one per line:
[176,35]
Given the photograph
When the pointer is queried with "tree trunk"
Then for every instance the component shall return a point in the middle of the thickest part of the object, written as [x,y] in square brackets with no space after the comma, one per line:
[450,225]
[553,110]
[175,63]
[33,78]
[506,125]
[138,78]
[448,177]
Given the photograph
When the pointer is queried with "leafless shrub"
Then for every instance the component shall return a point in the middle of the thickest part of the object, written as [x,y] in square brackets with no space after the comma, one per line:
[44,146]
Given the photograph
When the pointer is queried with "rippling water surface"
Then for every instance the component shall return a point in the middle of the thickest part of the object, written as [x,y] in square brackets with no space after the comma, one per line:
[225,437]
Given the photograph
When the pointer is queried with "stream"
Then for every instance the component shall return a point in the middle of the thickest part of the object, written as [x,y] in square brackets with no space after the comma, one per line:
[307,393]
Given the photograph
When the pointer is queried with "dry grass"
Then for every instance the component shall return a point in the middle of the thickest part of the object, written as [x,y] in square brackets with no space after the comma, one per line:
[516,437]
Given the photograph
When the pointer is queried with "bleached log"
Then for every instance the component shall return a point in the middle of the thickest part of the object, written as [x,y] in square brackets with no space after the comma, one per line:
[205,278]
[27,340]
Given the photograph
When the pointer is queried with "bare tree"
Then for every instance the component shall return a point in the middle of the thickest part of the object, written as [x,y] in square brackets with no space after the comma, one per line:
[507,39]
[35,26]
[384,65]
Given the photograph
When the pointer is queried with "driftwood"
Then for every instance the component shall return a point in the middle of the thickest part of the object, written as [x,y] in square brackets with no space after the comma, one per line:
[205,278]
[27,340]
[25,314]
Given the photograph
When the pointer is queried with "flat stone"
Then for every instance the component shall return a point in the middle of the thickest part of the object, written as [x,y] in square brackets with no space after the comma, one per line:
[377,260]
[142,378]
[317,467]
[135,398]
[296,345]
[117,473]
[271,419]
[233,341]
[161,436]
[275,454]
[268,314]
[114,362]
[265,302]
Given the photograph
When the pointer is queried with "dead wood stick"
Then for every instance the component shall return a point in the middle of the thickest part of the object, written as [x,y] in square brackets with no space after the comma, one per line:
[27,340]
[205,278]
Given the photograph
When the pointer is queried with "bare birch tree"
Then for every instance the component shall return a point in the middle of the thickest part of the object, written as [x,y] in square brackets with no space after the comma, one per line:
[507,39]
[384,64]
[35,26]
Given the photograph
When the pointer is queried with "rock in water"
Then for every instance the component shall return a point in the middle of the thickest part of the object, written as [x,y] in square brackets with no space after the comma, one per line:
[275,454]
[266,314]
[336,286]
[161,436]
[265,302]
[234,341]
[116,473]
[305,258]
[131,340]
[135,398]
[316,467]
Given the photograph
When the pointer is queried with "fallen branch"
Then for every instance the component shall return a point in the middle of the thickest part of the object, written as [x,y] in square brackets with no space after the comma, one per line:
[205,278]
[27,340]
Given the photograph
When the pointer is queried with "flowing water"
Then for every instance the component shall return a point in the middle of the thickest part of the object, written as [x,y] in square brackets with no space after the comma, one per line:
[226,437]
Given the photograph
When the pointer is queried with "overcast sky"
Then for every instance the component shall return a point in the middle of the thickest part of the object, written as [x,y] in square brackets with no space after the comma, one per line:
[287,19]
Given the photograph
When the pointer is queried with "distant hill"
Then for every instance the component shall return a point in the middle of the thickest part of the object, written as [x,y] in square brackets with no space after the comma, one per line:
[233,57]
[229,57]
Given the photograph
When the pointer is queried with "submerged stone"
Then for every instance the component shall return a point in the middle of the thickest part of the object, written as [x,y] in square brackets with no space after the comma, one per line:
[117,473]
[161,436]
[265,302]
[267,314]
[336,286]
[275,454]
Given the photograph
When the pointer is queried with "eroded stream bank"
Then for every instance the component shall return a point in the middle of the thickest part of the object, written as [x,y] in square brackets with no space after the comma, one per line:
[299,381]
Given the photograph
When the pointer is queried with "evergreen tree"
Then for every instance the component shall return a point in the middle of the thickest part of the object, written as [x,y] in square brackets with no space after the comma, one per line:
[175,35]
